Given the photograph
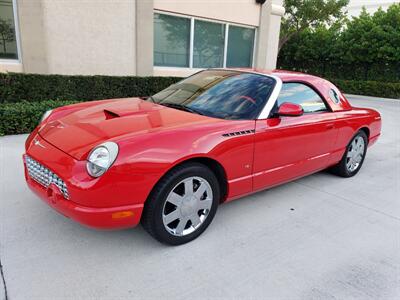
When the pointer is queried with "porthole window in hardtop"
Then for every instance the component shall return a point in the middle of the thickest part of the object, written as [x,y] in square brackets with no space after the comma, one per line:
[334,96]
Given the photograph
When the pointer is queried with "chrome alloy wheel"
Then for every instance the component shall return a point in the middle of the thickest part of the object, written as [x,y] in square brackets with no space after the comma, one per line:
[187,206]
[355,154]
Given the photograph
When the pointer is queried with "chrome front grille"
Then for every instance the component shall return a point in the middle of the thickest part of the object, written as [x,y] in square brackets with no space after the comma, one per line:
[44,176]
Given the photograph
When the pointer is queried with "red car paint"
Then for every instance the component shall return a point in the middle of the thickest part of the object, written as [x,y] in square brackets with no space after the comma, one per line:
[153,139]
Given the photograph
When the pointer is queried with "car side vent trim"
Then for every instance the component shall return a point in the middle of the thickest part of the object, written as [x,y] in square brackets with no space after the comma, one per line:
[236,133]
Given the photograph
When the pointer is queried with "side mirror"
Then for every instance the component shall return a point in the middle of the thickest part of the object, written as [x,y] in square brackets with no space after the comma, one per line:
[290,110]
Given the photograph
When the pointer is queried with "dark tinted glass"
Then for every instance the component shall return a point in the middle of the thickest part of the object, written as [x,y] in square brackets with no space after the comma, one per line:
[334,96]
[240,47]
[303,95]
[8,41]
[208,47]
[220,93]
[171,41]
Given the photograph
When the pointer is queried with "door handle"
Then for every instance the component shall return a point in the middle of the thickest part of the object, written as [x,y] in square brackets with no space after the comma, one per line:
[330,126]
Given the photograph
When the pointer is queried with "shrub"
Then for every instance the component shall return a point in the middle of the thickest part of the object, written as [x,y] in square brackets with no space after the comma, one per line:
[23,117]
[15,87]
[25,97]
[369,88]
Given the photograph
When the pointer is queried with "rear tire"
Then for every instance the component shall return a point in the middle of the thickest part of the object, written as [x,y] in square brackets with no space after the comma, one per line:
[182,204]
[353,157]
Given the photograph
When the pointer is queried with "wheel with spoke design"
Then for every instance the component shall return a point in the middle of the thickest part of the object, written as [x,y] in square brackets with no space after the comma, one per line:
[187,206]
[353,157]
[182,204]
[355,153]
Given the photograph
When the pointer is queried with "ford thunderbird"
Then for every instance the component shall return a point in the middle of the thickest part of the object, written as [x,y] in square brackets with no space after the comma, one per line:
[167,161]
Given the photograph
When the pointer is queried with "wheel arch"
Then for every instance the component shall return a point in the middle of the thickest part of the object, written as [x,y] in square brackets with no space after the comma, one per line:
[211,163]
[366,131]
[218,170]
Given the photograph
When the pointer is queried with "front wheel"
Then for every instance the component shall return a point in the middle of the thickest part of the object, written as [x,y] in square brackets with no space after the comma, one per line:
[182,204]
[353,157]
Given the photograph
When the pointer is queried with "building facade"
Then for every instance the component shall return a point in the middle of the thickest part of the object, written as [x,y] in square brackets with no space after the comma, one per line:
[137,37]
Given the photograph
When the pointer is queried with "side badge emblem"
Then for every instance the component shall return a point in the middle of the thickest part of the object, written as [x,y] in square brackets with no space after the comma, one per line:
[37,143]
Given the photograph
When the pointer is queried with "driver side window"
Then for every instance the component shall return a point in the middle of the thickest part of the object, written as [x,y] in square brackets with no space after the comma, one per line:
[302,95]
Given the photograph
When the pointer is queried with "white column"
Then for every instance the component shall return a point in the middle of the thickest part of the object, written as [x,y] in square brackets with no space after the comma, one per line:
[33,38]
[268,34]
[144,37]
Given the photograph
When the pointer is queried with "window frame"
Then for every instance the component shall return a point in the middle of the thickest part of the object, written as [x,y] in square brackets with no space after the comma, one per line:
[254,44]
[190,42]
[328,108]
[17,38]
[192,34]
[191,39]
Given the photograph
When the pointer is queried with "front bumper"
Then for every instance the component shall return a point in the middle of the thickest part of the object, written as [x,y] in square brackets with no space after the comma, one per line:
[80,188]
[102,218]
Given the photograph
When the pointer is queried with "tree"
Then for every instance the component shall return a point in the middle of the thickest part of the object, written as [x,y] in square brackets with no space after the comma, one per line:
[390,23]
[303,14]
[382,35]
[363,47]
[6,33]
[373,41]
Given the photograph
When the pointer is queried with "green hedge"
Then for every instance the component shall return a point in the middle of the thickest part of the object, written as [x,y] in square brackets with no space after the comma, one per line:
[369,88]
[15,87]
[23,117]
[25,97]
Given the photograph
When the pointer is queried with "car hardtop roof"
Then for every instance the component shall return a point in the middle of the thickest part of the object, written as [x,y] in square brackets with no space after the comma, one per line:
[284,75]
[322,86]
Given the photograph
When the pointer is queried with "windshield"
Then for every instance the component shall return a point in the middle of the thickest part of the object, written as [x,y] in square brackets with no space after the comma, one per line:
[221,94]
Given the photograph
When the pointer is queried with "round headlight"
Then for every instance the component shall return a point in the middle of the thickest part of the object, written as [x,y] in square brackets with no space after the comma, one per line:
[101,158]
[46,115]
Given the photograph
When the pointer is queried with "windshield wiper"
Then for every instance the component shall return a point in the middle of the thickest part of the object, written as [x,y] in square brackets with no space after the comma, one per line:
[182,107]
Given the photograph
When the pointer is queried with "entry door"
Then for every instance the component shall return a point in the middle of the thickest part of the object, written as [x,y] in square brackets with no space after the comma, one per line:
[290,147]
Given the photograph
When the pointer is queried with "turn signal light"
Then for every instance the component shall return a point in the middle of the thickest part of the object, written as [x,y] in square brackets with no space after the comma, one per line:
[122,214]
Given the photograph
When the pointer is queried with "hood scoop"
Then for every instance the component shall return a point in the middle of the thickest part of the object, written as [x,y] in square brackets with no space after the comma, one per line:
[78,131]
[110,114]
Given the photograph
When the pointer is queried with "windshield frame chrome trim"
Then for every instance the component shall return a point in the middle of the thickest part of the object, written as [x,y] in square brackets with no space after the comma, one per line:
[266,111]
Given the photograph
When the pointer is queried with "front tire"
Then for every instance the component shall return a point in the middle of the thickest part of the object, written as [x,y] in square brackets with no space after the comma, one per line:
[353,157]
[182,204]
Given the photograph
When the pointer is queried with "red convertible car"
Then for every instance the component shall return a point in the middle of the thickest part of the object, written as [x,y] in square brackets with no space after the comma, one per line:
[169,160]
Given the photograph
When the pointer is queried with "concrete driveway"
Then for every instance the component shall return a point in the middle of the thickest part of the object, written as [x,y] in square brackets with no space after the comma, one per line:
[321,237]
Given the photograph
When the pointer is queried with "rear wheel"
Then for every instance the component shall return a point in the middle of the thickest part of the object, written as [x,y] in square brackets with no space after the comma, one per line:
[353,157]
[182,204]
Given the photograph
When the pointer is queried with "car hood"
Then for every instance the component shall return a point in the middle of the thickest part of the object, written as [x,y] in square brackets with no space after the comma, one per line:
[77,132]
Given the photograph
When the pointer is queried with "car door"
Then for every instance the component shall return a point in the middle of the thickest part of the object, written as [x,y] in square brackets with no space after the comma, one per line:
[287,147]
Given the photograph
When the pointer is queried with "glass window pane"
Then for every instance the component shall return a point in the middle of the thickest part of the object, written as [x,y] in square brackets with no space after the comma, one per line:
[240,47]
[171,41]
[8,41]
[208,49]
[302,95]
[221,94]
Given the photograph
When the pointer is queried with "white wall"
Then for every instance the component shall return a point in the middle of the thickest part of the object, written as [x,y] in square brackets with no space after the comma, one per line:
[236,11]
[90,36]
[115,37]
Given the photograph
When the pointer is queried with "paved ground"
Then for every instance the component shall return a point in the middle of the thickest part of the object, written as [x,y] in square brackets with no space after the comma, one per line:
[321,237]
